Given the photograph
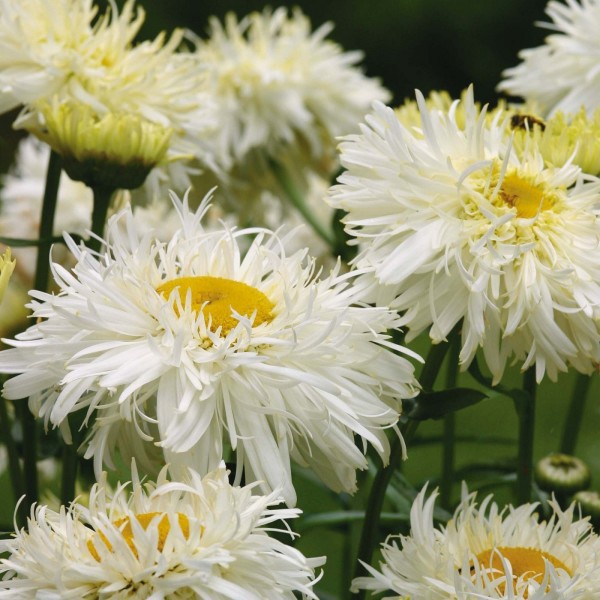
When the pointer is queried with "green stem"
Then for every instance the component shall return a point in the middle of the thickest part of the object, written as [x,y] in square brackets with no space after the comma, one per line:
[14,468]
[40,283]
[575,414]
[296,199]
[102,198]
[449,435]
[525,403]
[370,532]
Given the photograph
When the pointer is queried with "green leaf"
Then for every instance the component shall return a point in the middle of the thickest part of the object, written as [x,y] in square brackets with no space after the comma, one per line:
[434,405]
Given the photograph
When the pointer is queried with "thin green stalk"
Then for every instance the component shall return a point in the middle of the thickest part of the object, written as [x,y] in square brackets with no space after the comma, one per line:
[296,199]
[40,283]
[70,459]
[525,403]
[14,468]
[102,198]
[370,532]
[575,414]
[449,434]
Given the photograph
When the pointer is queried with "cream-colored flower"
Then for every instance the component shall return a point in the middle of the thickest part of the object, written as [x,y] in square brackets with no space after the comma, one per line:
[7,266]
[455,226]
[62,51]
[562,138]
[485,552]
[198,539]
[200,348]
[282,93]
[115,151]
[562,75]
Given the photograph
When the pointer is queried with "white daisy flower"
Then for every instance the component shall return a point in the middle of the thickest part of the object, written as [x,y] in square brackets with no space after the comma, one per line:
[60,51]
[486,552]
[455,226]
[562,74]
[200,539]
[281,92]
[196,346]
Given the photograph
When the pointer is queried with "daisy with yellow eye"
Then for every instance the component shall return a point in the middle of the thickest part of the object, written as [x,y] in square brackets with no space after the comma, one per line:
[206,350]
[454,226]
[201,538]
[486,552]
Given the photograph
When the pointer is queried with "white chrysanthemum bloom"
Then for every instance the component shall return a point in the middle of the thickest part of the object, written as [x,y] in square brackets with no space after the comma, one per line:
[455,226]
[282,93]
[194,346]
[485,552]
[562,74]
[60,51]
[201,538]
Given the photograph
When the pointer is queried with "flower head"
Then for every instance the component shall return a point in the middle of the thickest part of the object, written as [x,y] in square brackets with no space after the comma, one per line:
[201,538]
[198,348]
[283,93]
[115,151]
[60,51]
[454,226]
[485,552]
[562,75]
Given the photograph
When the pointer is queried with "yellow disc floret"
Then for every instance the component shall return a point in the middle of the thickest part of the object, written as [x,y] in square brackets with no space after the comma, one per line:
[144,519]
[526,563]
[218,298]
[528,198]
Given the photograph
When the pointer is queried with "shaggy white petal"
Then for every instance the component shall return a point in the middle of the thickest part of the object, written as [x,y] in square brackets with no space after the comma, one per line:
[557,559]
[563,74]
[455,226]
[302,380]
[201,538]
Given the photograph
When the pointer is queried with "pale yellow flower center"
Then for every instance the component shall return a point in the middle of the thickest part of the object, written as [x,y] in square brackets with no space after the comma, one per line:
[526,563]
[528,198]
[218,298]
[144,519]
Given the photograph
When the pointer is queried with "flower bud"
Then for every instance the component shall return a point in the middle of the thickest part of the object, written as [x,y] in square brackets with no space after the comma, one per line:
[562,474]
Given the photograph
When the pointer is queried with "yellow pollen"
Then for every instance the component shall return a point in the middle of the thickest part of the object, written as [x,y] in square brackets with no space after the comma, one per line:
[527,198]
[218,298]
[526,563]
[144,519]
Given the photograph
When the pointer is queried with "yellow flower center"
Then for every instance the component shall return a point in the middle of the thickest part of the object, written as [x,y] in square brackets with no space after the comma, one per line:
[529,199]
[218,298]
[144,519]
[526,563]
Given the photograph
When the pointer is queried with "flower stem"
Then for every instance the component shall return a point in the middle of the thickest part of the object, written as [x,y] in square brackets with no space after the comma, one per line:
[575,414]
[449,434]
[14,468]
[102,198]
[297,201]
[525,404]
[370,531]
[40,283]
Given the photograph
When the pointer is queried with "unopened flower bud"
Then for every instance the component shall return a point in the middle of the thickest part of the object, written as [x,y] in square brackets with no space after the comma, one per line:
[562,474]
[114,151]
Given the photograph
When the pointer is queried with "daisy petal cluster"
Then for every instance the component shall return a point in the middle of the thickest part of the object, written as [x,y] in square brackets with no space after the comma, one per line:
[61,51]
[282,92]
[563,73]
[199,538]
[454,226]
[485,552]
[192,345]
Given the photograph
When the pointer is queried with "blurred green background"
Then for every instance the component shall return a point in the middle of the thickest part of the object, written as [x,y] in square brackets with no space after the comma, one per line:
[429,45]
